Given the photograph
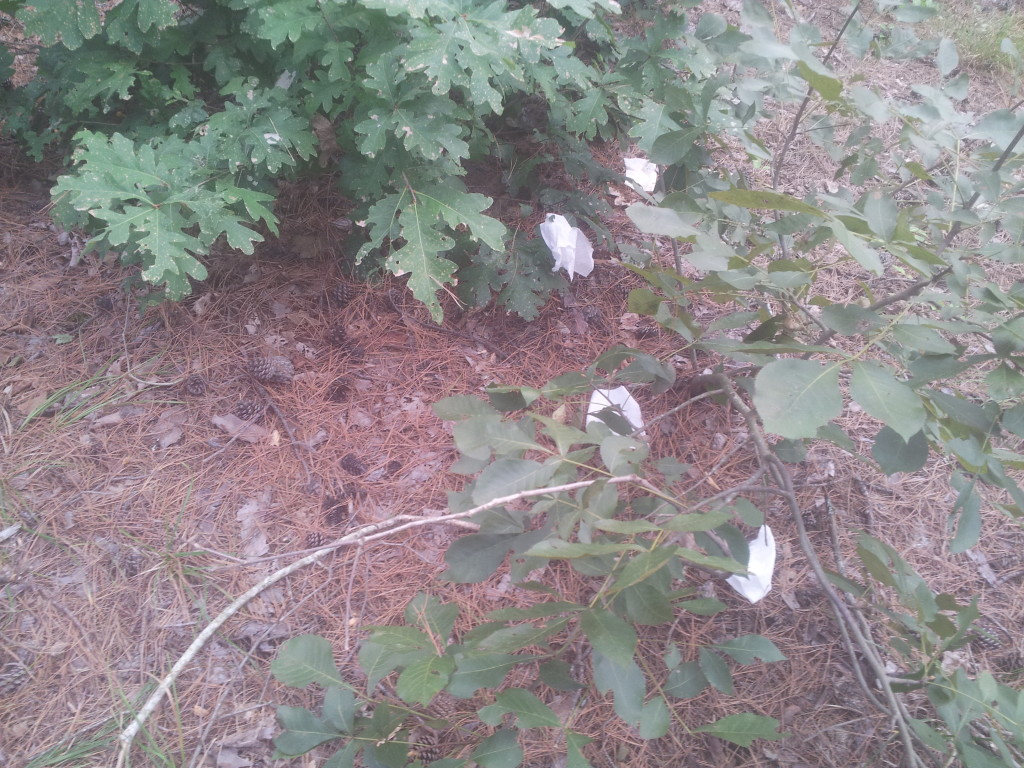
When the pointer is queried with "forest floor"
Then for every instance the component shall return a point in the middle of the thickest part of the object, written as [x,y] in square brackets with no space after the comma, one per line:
[133,508]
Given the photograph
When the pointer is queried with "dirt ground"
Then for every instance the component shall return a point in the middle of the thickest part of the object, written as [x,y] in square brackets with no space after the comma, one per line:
[136,502]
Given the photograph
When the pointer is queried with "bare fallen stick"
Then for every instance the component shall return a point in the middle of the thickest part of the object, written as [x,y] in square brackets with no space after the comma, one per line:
[361,536]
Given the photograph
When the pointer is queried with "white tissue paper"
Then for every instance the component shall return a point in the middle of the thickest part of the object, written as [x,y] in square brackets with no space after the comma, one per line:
[642,172]
[619,399]
[760,568]
[570,247]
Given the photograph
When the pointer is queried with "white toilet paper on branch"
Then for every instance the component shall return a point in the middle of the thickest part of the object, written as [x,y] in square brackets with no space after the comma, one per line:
[641,172]
[619,400]
[760,568]
[569,247]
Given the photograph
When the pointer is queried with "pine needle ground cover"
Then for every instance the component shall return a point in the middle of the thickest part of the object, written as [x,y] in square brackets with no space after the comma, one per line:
[817,313]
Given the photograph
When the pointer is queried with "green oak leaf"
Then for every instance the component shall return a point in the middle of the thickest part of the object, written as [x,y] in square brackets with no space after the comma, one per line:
[70,22]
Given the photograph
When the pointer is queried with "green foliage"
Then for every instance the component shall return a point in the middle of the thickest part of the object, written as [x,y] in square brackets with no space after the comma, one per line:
[937,362]
[982,719]
[156,206]
[957,222]
[899,357]
[622,536]
[981,36]
[202,107]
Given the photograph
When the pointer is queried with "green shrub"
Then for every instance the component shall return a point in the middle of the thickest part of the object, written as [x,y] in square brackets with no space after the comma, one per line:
[184,115]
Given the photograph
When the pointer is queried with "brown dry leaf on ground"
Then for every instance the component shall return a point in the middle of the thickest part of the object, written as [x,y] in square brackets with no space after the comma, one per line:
[241,429]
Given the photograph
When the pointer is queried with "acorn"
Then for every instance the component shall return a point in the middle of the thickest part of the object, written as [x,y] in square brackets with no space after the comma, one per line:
[276,369]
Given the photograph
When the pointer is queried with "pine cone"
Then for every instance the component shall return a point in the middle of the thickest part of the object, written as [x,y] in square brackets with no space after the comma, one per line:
[339,391]
[194,385]
[444,706]
[249,410]
[352,464]
[333,521]
[272,370]
[986,636]
[336,511]
[424,745]
[12,677]
[341,294]
[336,336]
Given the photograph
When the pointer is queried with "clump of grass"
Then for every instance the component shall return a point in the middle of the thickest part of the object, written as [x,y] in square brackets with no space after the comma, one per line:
[988,39]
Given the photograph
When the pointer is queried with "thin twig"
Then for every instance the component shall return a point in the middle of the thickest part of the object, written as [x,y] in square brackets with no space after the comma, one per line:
[708,476]
[297,552]
[202,749]
[675,409]
[795,125]
[915,288]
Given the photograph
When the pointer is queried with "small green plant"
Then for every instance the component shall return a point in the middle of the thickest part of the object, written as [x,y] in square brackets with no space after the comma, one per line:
[185,115]
[987,39]
[937,360]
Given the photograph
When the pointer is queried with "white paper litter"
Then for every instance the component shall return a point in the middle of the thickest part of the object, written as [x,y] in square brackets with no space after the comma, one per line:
[642,172]
[569,247]
[619,399]
[285,79]
[760,567]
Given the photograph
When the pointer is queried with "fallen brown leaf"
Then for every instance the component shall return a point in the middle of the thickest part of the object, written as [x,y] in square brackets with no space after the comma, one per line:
[245,431]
